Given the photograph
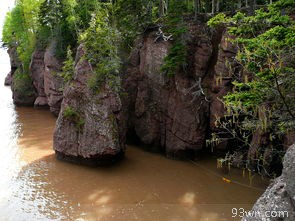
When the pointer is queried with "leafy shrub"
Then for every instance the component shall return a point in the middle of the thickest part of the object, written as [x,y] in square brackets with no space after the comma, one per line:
[20,29]
[68,67]
[101,40]
[73,116]
[266,54]
[22,84]
[176,58]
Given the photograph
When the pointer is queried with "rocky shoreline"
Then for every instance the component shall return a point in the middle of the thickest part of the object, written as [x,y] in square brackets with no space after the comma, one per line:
[172,115]
[278,201]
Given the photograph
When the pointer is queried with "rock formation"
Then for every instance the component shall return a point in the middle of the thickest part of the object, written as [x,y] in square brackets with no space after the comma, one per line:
[173,115]
[14,60]
[37,74]
[169,113]
[23,92]
[278,201]
[221,81]
[8,79]
[53,83]
[45,69]
[88,126]
[44,85]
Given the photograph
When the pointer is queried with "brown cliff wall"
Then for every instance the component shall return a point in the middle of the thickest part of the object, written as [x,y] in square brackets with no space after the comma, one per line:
[173,113]
[45,69]
[37,74]
[43,87]
[23,91]
[53,83]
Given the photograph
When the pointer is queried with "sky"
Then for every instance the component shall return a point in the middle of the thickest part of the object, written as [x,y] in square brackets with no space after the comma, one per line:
[5,5]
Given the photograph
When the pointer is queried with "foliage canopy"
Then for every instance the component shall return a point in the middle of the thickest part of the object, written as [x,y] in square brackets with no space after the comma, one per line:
[263,94]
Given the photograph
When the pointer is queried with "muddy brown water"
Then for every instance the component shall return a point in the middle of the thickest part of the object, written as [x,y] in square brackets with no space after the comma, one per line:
[144,186]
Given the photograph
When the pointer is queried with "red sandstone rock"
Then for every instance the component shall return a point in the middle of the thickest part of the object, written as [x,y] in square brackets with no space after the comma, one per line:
[221,82]
[46,88]
[23,92]
[91,135]
[8,79]
[289,139]
[37,74]
[53,83]
[162,110]
[14,60]
[41,102]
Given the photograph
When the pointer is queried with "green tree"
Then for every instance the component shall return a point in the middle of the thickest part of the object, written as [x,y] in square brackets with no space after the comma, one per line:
[101,41]
[58,20]
[20,29]
[263,93]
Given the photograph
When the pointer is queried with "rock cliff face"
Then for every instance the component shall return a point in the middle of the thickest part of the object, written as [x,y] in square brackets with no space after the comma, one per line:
[167,114]
[45,69]
[14,61]
[53,83]
[8,79]
[37,74]
[224,69]
[172,113]
[44,89]
[278,201]
[23,92]
[88,126]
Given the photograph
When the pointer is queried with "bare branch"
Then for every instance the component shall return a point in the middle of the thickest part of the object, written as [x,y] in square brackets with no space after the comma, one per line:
[198,92]
[161,36]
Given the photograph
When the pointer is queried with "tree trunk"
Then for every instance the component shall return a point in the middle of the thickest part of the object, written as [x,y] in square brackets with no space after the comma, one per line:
[166,5]
[161,8]
[197,6]
[149,6]
[239,4]
[217,5]
[213,6]
[252,5]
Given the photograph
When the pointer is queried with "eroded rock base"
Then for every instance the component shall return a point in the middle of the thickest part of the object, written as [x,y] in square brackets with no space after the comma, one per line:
[93,161]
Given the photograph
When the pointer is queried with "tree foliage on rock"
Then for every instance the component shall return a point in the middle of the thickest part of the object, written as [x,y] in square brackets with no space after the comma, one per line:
[101,41]
[263,94]
[20,28]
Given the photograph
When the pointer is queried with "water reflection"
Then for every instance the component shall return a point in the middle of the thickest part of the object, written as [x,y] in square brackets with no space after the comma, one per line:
[35,140]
